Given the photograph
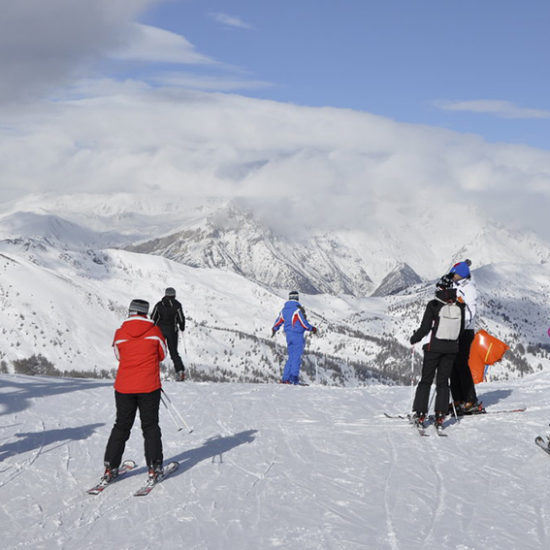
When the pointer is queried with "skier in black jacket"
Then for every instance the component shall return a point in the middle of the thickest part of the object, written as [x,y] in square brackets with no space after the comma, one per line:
[168,316]
[444,318]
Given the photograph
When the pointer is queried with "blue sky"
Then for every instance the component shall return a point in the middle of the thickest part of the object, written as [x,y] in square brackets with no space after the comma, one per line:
[470,66]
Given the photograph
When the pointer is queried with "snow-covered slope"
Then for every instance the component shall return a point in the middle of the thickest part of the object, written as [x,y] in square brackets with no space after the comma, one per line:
[56,231]
[65,305]
[271,466]
[63,293]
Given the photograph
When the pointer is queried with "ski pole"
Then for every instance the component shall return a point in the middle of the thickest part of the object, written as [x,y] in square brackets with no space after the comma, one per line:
[454,411]
[171,414]
[177,412]
[185,352]
[412,376]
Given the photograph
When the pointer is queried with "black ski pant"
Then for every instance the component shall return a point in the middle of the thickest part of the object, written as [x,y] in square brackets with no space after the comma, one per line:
[171,336]
[126,406]
[438,365]
[462,383]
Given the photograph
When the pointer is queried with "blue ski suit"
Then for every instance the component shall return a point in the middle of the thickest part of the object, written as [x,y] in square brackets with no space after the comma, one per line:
[293,318]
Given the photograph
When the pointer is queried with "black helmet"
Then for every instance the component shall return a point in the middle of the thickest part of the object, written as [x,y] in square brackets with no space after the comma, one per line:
[140,307]
[170,292]
[445,282]
[293,295]
[447,295]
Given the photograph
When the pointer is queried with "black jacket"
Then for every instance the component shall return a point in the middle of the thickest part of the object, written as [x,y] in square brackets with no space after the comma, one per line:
[430,322]
[168,314]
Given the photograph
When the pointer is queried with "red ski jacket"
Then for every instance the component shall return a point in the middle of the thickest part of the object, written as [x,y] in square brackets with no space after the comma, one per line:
[140,347]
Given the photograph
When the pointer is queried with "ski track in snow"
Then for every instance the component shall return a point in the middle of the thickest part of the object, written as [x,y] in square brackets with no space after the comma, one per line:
[21,467]
[440,498]
[387,485]
[277,467]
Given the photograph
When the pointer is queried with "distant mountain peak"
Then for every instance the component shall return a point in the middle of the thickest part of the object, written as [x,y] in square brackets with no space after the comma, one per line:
[397,280]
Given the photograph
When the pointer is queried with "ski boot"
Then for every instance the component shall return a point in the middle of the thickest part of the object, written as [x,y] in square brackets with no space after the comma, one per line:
[110,473]
[180,376]
[155,471]
[418,419]
[473,407]
[439,419]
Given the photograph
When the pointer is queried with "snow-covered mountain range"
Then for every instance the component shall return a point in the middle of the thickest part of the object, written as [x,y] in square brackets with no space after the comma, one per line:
[71,264]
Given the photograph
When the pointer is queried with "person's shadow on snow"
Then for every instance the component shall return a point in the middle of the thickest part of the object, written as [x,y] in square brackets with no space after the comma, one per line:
[493,397]
[213,448]
[19,391]
[29,441]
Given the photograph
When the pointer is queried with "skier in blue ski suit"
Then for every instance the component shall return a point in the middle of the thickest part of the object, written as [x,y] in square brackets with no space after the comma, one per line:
[293,318]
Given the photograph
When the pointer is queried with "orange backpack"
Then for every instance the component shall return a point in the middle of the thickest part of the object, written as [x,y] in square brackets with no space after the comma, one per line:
[485,350]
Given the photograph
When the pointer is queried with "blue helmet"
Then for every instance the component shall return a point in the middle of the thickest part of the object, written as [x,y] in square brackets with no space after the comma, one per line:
[462,269]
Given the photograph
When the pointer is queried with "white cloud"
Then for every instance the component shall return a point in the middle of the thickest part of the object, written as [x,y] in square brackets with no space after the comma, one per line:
[151,44]
[315,167]
[495,107]
[229,20]
[47,46]
[43,45]
[208,82]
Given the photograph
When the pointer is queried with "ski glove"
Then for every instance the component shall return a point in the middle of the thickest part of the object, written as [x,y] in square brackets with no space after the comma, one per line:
[314,330]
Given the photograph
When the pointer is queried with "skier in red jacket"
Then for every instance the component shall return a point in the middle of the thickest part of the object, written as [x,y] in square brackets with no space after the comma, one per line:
[140,347]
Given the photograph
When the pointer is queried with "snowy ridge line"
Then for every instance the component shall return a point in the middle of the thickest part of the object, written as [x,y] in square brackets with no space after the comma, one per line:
[8,258]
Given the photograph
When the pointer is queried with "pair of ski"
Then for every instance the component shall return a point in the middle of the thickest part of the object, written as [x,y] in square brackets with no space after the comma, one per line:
[439,429]
[421,428]
[126,467]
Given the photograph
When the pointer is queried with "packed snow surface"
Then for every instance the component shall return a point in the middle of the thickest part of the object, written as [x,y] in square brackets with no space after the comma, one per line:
[275,466]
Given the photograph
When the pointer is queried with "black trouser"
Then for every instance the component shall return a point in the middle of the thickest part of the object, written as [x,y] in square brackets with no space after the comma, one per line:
[171,336]
[462,383]
[442,363]
[126,407]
